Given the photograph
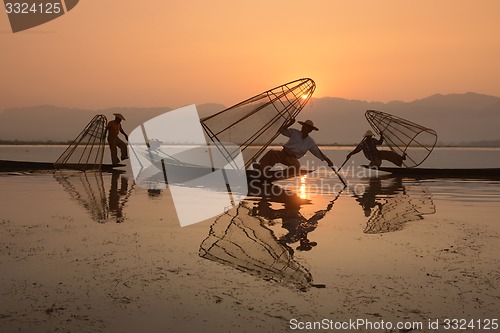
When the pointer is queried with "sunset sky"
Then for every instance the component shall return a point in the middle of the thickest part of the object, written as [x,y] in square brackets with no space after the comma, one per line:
[173,53]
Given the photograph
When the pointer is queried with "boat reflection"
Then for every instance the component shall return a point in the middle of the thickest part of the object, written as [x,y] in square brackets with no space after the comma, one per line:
[389,204]
[242,238]
[88,189]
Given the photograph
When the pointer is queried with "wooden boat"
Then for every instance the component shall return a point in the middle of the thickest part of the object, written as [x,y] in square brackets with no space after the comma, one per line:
[474,173]
[13,166]
[181,174]
[85,153]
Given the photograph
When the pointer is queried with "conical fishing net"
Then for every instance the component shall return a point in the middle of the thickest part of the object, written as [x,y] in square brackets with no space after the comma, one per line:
[256,121]
[86,152]
[403,136]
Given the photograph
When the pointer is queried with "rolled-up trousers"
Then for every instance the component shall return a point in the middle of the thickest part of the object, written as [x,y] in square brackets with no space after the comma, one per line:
[387,155]
[114,143]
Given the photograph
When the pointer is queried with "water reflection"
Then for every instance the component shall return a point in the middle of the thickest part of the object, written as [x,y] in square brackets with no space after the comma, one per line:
[241,238]
[297,225]
[389,204]
[88,189]
[119,193]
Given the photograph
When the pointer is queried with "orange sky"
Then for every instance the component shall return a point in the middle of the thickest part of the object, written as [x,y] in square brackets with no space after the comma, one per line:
[172,53]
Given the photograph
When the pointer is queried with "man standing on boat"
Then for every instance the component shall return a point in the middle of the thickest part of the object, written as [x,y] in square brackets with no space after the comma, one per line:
[113,129]
[298,144]
[369,147]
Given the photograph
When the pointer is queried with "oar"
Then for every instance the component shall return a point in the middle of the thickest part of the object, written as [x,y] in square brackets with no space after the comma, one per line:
[338,175]
[347,159]
[335,170]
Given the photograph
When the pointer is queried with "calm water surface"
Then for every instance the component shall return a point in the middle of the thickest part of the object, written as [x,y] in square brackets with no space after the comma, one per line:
[318,211]
[300,239]
[474,201]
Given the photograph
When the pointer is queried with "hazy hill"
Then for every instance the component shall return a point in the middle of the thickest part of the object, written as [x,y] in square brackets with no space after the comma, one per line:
[47,122]
[457,118]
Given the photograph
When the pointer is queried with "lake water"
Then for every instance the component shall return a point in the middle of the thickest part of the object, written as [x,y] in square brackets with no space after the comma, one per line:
[96,252]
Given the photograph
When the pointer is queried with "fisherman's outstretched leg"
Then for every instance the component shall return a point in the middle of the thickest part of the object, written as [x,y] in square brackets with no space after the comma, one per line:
[392,157]
[123,149]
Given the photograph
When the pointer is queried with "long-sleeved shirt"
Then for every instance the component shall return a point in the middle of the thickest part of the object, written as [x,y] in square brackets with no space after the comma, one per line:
[369,147]
[299,146]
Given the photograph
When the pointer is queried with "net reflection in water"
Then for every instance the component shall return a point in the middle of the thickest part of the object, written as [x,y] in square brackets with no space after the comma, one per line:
[88,189]
[390,207]
[240,240]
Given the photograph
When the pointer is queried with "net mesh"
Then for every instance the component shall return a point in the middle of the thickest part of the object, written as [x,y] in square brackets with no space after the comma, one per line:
[86,152]
[403,136]
[256,121]
[87,188]
[396,205]
[240,240]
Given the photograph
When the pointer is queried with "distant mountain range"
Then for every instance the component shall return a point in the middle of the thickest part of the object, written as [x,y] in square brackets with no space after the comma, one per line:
[459,119]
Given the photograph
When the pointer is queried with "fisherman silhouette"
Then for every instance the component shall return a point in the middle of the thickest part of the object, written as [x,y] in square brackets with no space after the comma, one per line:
[298,144]
[113,129]
[369,147]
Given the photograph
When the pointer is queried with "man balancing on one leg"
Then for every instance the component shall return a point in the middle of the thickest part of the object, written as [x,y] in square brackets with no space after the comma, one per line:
[113,129]
[299,143]
[369,147]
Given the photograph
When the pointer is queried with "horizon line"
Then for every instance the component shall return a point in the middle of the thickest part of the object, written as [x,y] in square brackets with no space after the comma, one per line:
[217,103]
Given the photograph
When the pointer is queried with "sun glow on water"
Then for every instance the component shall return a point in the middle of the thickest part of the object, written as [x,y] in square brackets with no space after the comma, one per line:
[302,188]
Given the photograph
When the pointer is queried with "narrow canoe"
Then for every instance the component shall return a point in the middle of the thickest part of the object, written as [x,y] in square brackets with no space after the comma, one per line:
[13,166]
[475,173]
